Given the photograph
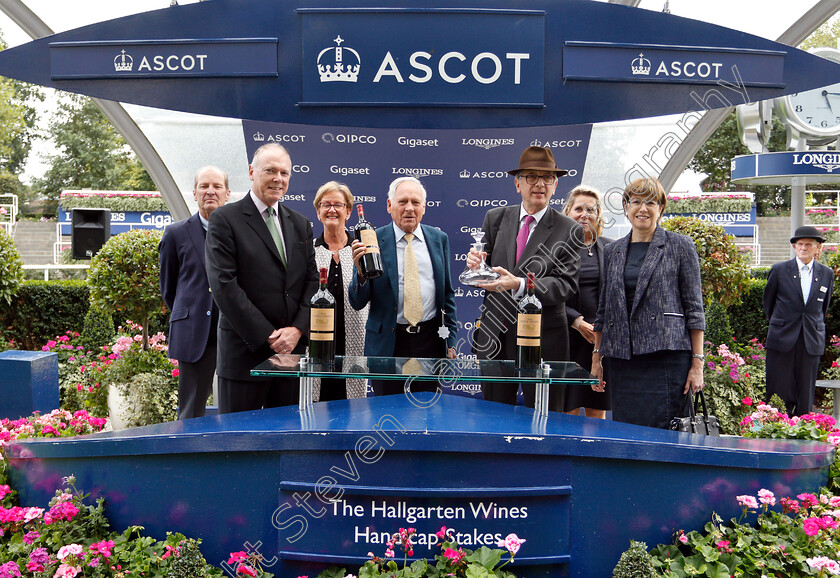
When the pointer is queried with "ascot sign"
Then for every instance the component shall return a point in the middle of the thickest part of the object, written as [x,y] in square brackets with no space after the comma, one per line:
[417,63]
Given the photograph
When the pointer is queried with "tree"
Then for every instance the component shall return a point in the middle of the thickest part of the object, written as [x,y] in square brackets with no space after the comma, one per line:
[93,154]
[17,121]
[715,159]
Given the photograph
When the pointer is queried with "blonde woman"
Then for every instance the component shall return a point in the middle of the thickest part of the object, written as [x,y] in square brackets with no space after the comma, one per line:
[334,204]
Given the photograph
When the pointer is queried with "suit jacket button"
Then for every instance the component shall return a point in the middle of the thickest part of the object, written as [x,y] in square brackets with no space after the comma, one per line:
[653,316]
[208,313]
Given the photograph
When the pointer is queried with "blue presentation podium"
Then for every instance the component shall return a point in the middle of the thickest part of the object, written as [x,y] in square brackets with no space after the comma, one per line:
[324,484]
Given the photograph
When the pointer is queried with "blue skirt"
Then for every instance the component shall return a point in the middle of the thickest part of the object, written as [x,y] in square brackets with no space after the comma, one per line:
[648,389]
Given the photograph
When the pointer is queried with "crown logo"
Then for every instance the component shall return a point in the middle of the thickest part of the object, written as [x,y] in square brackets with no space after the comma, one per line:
[259,137]
[640,66]
[123,62]
[458,292]
[339,63]
[465,174]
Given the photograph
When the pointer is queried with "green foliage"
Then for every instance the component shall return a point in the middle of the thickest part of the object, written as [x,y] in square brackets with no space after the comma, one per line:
[718,328]
[117,203]
[635,562]
[825,35]
[724,270]
[715,159]
[92,154]
[734,375]
[43,309]
[9,184]
[747,318]
[11,268]
[124,277]
[98,329]
[679,204]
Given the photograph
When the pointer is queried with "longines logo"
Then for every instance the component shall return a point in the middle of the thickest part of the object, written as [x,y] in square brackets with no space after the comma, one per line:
[416,172]
[260,137]
[487,143]
[329,137]
[339,63]
[466,174]
[482,203]
[364,199]
[827,161]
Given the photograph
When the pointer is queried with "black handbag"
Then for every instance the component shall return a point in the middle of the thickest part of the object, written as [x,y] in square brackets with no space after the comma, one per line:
[696,423]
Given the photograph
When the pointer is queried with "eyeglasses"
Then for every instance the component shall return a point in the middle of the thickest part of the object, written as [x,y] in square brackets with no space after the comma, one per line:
[636,203]
[336,206]
[532,179]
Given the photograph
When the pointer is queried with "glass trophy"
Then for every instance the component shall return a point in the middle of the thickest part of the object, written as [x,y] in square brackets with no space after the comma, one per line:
[483,274]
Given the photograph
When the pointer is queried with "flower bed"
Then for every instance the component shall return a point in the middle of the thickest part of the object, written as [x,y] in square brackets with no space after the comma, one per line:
[800,540]
[117,201]
[717,203]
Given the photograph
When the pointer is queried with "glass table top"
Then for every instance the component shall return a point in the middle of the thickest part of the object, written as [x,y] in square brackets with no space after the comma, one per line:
[424,369]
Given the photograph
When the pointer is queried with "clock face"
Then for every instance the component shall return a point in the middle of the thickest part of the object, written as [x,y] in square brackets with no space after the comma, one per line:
[817,110]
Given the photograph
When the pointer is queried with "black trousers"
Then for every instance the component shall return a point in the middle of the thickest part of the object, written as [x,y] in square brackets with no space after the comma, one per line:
[240,395]
[792,376]
[195,382]
[426,343]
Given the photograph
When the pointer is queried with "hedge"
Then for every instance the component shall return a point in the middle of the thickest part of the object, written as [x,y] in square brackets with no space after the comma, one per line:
[40,310]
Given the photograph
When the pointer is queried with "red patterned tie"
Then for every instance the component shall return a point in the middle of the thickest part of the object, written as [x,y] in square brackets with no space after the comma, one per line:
[522,237]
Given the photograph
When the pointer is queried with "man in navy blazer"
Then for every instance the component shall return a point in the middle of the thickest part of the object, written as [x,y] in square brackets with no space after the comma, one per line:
[186,292]
[389,332]
[263,294]
[796,302]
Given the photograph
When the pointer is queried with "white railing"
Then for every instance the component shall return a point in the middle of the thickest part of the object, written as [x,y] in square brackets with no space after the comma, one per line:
[48,268]
[8,212]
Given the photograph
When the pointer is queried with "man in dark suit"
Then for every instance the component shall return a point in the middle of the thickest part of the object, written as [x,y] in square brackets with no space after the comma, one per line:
[412,306]
[185,290]
[261,268]
[529,237]
[796,301]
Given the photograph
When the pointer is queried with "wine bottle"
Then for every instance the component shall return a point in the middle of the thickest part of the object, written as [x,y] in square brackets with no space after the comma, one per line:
[322,323]
[370,265]
[528,328]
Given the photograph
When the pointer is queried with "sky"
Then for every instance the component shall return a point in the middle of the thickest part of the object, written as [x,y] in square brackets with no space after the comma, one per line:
[766,18]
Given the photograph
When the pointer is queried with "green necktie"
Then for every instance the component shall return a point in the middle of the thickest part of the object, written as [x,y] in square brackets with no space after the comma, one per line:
[275,234]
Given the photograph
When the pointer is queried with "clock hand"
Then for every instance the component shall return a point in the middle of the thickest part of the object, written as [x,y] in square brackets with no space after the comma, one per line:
[828,100]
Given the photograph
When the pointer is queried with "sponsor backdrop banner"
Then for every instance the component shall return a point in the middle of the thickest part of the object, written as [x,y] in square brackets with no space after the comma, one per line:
[464,172]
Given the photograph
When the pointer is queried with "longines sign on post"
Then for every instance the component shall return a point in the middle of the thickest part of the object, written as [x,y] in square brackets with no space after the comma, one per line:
[814,167]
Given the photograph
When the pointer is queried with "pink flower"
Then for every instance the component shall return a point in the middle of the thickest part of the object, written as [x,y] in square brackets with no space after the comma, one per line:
[246,570]
[175,372]
[70,550]
[824,562]
[9,570]
[104,547]
[811,526]
[808,500]
[237,557]
[766,497]
[683,539]
[389,553]
[67,571]
[511,543]
[440,533]
[5,491]
[723,546]
[454,555]
[747,401]
[747,501]
[789,505]
[30,537]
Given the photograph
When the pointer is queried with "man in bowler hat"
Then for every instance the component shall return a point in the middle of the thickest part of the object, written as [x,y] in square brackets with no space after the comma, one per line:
[528,237]
[796,301]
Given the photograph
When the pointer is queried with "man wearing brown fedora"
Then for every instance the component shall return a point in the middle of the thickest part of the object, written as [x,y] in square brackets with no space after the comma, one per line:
[796,301]
[528,237]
